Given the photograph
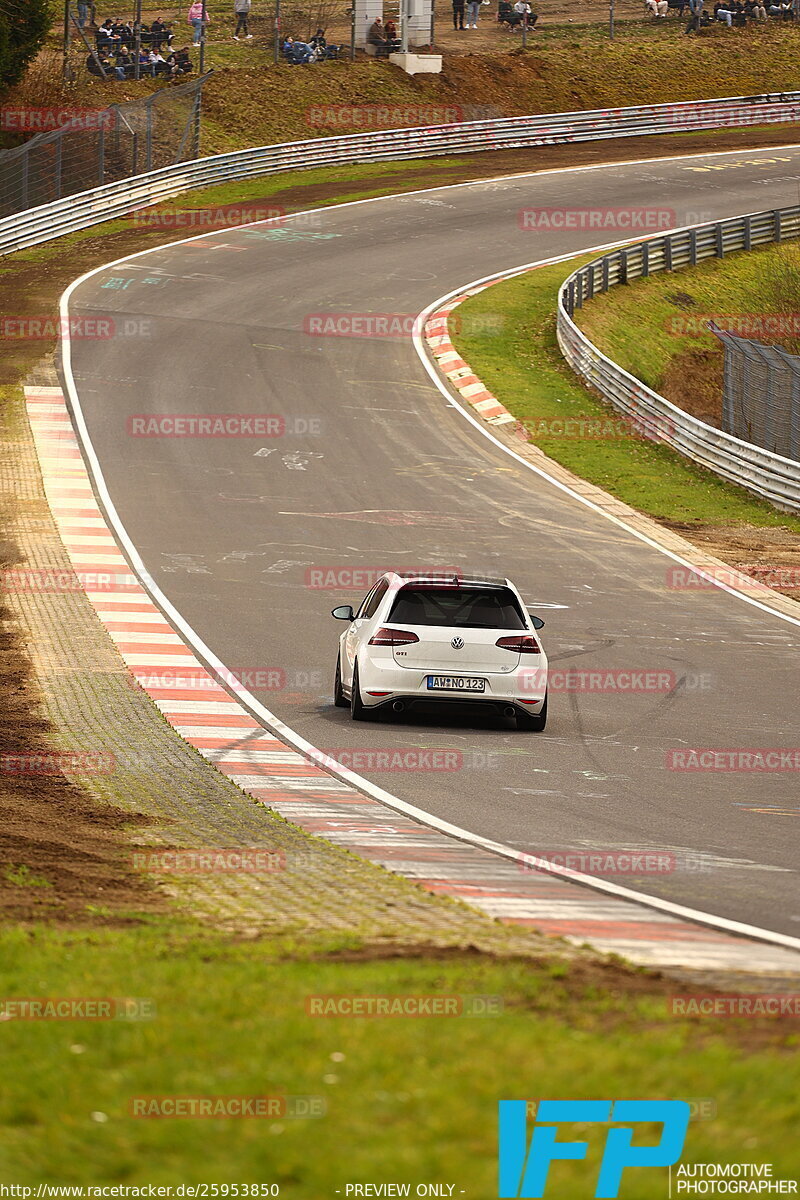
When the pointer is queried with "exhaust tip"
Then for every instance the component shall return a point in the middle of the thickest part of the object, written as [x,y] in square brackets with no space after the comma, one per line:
[509,711]
[398,706]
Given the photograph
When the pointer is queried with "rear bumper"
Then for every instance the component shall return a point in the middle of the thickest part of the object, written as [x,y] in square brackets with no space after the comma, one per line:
[523,688]
[435,701]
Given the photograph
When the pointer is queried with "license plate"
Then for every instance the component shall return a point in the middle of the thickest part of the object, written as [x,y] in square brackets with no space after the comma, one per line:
[455,683]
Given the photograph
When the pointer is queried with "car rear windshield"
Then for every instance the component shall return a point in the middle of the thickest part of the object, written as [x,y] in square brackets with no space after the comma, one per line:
[465,607]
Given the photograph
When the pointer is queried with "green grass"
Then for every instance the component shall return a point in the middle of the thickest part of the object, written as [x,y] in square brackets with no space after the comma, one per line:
[408,1099]
[645,325]
[519,361]
[250,191]
[20,875]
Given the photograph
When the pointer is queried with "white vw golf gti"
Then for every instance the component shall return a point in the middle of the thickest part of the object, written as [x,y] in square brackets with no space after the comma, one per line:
[419,640]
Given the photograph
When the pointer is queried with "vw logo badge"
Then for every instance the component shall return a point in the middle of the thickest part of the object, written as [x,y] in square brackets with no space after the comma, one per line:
[457,643]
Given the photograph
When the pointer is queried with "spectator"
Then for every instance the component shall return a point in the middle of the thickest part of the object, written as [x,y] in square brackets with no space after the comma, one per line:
[242,10]
[322,50]
[158,65]
[104,37]
[723,13]
[83,13]
[391,35]
[657,7]
[696,11]
[198,23]
[97,63]
[298,53]
[458,14]
[123,63]
[159,33]
[184,63]
[505,14]
[376,36]
[524,13]
[472,13]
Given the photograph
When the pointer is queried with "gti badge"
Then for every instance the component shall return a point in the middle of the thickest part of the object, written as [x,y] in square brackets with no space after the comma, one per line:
[457,643]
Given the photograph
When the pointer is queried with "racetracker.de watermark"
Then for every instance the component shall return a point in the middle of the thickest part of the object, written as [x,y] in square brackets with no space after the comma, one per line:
[245,679]
[396,324]
[600,862]
[63,763]
[629,219]
[42,579]
[737,759]
[33,119]
[387,1005]
[379,116]
[336,577]
[620,681]
[735,1004]
[753,579]
[222,217]
[99,328]
[761,326]
[211,1107]
[583,428]
[222,425]
[237,860]
[76,1008]
[390,759]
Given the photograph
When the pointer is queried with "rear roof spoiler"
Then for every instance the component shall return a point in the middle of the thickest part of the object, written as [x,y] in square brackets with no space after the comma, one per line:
[453,580]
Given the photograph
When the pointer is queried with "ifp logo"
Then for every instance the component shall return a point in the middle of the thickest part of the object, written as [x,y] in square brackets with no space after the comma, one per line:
[524,1171]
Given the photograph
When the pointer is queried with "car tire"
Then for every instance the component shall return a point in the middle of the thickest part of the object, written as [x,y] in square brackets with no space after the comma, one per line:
[339,698]
[532,722]
[357,710]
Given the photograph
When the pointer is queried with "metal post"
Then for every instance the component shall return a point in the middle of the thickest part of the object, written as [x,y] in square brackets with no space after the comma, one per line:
[404,26]
[202,37]
[196,120]
[148,137]
[524,30]
[57,166]
[353,33]
[65,70]
[611,19]
[276,49]
[101,155]
[137,41]
[433,22]
[91,49]
[24,180]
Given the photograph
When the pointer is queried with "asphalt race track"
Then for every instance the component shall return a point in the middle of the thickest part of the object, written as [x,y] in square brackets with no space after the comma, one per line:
[230,528]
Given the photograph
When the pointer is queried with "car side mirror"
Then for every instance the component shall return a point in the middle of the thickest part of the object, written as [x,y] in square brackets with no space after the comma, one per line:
[343,613]
[536,622]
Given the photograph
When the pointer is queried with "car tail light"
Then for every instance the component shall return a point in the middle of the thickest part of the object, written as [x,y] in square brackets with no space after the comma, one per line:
[524,644]
[393,637]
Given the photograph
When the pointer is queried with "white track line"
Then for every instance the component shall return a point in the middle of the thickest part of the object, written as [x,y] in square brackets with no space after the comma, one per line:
[270,719]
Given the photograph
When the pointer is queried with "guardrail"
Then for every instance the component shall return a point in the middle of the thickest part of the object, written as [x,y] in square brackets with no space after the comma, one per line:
[768,475]
[79,211]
